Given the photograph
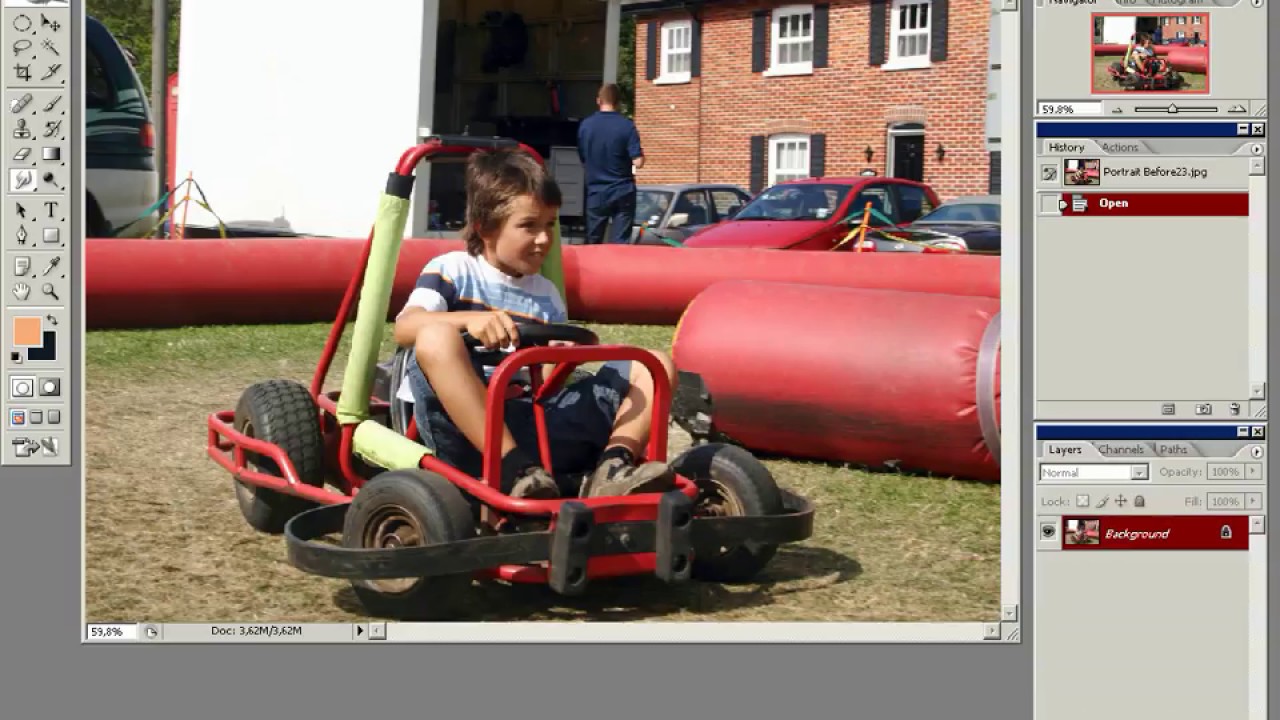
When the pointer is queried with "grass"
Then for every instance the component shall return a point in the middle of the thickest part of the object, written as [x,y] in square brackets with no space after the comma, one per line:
[1193,82]
[165,541]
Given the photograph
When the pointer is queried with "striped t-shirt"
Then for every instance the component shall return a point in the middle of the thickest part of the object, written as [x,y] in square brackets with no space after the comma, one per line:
[458,281]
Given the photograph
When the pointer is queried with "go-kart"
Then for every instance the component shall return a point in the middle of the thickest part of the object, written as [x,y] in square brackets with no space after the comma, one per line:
[1154,74]
[416,532]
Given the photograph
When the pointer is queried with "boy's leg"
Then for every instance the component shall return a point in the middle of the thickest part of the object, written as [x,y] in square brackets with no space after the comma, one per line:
[617,472]
[447,367]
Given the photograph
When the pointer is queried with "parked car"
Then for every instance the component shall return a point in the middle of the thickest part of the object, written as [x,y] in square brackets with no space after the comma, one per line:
[969,224]
[677,211]
[817,213]
[121,178]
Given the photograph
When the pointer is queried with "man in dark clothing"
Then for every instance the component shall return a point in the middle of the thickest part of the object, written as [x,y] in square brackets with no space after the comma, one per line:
[609,147]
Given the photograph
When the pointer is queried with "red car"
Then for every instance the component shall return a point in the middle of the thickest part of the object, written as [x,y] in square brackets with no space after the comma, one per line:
[817,213]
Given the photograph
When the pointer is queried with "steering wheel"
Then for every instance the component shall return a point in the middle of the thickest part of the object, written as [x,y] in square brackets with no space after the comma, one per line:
[534,334]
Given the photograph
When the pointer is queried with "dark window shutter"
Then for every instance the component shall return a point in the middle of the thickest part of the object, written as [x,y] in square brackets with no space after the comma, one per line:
[820,13]
[757,163]
[817,155]
[759,39]
[879,31]
[938,30]
[993,173]
[651,53]
[695,50]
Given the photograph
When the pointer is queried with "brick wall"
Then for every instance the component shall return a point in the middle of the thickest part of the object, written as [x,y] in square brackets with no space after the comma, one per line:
[701,130]
[1172,24]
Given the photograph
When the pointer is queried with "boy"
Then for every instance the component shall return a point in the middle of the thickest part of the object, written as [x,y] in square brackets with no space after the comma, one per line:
[1142,54]
[604,420]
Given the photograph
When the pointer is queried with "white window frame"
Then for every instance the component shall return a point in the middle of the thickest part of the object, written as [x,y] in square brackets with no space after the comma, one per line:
[793,173]
[912,62]
[777,68]
[1197,19]
[666,30]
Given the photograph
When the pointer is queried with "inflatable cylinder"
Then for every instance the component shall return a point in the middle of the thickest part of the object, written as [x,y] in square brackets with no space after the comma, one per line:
[1189,59]
[1101,49]
[135,283]
[654,285]
[877,378]
[132,283]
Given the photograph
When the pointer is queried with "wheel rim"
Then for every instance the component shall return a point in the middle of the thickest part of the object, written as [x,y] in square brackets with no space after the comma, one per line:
[715,499]
[390,527]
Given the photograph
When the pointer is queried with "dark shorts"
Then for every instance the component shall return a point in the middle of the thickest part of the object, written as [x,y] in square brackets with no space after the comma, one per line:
[579,418]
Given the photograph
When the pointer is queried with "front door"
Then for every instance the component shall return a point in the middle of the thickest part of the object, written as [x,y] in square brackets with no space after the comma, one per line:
[908,156]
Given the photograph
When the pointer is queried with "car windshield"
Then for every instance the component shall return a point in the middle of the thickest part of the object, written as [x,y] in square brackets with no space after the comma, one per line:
[964,212]
[807,201]
[651,204]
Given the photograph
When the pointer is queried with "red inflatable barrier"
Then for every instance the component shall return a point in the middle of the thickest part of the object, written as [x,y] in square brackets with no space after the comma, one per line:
[1119,49]
[166,283]
[134,283]
[650,284]
[876,378]
[1189,59]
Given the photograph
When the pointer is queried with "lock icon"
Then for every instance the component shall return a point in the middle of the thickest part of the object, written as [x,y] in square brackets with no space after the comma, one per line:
[1139,501]
[1226,532]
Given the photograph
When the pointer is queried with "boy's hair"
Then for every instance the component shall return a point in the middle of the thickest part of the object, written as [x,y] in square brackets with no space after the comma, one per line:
[1141,38]
[494,180]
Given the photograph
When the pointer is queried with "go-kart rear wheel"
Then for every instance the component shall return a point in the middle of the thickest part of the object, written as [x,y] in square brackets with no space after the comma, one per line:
[731,482]
[408,508]
[282,413]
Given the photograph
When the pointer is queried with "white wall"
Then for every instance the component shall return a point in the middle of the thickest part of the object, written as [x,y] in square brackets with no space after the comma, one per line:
[292,112]
[1118,30]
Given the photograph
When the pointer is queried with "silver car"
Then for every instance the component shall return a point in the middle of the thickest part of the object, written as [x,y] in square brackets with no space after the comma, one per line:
[667,214]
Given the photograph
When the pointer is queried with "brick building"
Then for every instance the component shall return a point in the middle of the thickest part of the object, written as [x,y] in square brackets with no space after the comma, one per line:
[753,92]
[1184,27]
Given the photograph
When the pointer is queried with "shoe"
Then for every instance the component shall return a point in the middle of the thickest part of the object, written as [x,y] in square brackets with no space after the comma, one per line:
[615,477]
[535,484]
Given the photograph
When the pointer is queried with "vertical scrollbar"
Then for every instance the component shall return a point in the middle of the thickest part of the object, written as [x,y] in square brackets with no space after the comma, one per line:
[41,178]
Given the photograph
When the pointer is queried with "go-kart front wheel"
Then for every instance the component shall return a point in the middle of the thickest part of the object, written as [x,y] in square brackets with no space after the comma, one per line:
[731,482]
[410,508]
[284,414]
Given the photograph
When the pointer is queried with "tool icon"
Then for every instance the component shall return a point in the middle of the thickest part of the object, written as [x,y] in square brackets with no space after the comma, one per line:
[49,178]
[21,235]
[22,212]
[22,154]
[52,264]
[20,46]
[20,132]
[20,104]
[53,70]
[53,127]
[22,291]
[25,447]
[50,105]
[22,179]
[21,265]
[47,289]
[23,71]
[22,23]
[48,45]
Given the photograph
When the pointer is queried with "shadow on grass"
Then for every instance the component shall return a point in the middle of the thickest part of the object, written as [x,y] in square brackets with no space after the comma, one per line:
[646,597]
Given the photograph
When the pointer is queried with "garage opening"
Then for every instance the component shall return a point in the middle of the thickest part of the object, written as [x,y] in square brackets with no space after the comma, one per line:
[528,70]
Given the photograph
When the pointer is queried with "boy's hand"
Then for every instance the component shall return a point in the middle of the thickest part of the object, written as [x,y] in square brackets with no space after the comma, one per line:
[494,330]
